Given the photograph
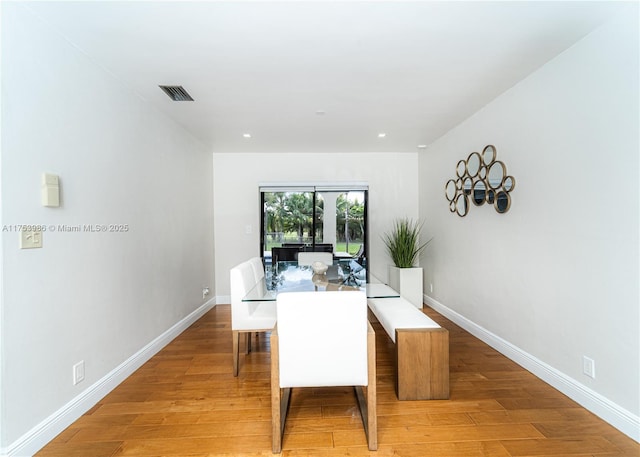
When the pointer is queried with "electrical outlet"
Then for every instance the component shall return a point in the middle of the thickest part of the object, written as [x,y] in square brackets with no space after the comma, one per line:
[78,372]
[30,239]
[205,292]
[431,288]
[589,367]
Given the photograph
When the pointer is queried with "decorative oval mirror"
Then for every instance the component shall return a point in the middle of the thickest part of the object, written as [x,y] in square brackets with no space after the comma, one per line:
[491,196]
[509,183]
[503,202]
[450,190]
[479,192]
[489,154]
[467,185]
[473,164]
[462,205]
[480,179]
[496,174]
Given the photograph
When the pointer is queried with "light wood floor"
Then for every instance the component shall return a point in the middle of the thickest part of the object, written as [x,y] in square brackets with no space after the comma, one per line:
[185,402]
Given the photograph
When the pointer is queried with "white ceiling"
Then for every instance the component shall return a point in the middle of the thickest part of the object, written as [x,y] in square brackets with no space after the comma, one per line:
[413,70]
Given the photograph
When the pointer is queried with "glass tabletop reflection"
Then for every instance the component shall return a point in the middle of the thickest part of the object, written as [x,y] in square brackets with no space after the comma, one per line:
[291,277]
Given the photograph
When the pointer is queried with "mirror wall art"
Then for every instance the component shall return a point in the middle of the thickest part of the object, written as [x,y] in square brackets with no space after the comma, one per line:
[480,179]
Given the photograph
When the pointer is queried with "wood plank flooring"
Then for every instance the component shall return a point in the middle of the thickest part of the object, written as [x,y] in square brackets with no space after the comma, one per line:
[185,402]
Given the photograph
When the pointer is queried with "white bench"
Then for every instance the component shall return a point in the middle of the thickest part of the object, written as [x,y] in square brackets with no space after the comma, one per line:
[422,349]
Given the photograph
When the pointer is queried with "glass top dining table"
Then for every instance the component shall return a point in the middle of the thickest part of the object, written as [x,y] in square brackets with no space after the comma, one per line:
[291,277]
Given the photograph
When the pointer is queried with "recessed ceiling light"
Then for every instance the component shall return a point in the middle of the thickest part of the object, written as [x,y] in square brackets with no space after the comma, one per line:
[321,112]
[422,146]
[246,135]
[381,135]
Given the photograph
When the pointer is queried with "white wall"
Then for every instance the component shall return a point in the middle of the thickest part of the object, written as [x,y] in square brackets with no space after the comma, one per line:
[393,192]
[556,276]
[97,297]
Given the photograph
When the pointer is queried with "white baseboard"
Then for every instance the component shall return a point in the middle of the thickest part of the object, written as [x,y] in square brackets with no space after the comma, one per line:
[222,299]
[34,440]
[625,421]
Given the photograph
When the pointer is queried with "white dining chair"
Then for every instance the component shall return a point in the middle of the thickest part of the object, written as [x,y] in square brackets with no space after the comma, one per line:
[247,317]
[258,268]
[258,274]
[307,258]
[323,339]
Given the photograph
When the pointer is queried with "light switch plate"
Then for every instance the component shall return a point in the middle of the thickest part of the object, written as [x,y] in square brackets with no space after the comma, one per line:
[30,239]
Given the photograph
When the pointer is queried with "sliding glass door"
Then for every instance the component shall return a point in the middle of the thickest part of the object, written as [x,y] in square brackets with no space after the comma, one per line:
[313,218]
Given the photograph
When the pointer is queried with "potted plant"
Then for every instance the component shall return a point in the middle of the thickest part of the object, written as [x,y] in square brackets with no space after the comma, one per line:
[403,245]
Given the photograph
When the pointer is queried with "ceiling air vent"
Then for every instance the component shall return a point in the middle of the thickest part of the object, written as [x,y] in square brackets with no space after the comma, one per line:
[177,93]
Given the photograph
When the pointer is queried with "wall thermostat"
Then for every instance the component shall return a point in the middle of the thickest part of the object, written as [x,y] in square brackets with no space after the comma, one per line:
[50,190]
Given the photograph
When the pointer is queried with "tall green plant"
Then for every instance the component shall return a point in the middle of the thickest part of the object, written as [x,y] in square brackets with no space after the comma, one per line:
[402,242]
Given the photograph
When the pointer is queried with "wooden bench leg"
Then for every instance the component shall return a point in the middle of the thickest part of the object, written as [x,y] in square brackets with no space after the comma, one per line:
[422,359]
[372,391]
[235,336]
[368,407]
[279,398]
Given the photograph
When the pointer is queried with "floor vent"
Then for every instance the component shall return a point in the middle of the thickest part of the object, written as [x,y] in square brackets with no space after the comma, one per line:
[177,93]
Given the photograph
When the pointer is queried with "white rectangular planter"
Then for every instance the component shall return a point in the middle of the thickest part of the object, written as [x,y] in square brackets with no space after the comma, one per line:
[408,282]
